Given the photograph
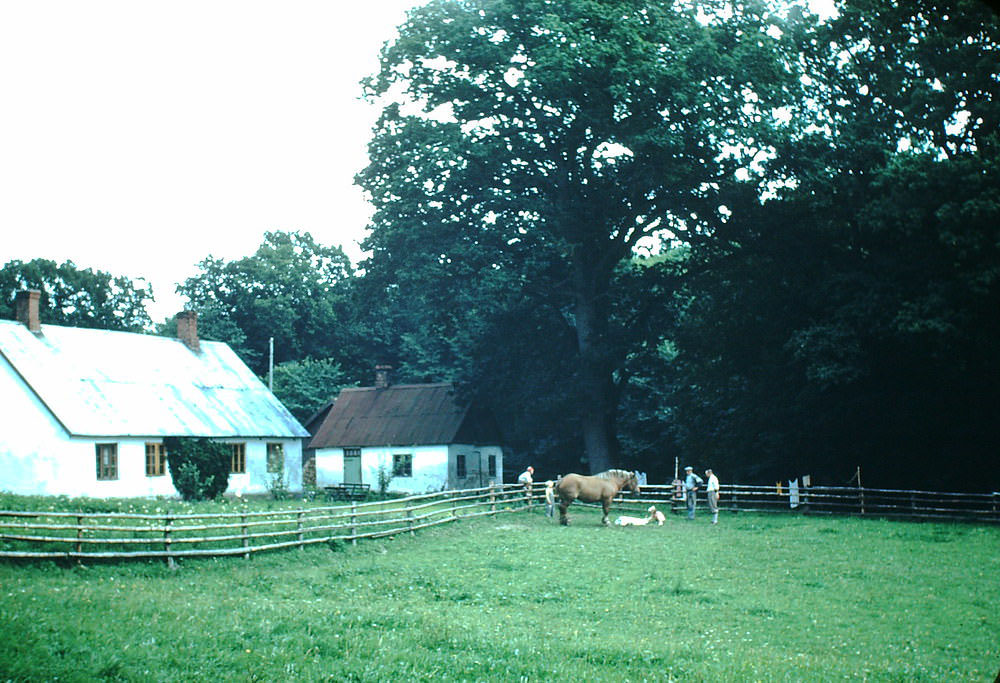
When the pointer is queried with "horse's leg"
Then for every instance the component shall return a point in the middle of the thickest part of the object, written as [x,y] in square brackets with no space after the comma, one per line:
[563,519]
[606,504]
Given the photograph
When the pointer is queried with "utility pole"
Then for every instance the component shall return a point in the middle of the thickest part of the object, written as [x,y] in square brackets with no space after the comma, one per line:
[270,364]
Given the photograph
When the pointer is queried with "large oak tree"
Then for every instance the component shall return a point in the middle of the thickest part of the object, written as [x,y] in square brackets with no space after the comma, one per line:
[529,147]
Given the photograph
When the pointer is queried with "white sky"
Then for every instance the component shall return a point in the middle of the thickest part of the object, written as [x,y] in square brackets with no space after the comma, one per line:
[139,137]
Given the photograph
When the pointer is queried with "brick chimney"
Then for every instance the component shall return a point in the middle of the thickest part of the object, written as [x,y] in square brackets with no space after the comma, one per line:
[187,329]
[26,303]
[382,376]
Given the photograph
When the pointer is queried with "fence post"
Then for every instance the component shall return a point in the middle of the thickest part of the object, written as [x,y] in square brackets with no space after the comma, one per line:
[493,500]
[298,525]
[454,505]
[409,518]
[167,521]
[354,519]
[861,499]
[245,535]
[79,535]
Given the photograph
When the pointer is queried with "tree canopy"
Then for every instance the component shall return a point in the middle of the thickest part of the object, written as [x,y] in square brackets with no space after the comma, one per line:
[77,297]
[292,289]
[849,321]
[536,143]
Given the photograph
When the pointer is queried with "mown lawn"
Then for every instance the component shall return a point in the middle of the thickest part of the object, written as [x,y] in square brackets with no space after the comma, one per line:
[761,598]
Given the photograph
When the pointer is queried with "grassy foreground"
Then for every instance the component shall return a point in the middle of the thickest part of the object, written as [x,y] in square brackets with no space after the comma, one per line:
[756,598]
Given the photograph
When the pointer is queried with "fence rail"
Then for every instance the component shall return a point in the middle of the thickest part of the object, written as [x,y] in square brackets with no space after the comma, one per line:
[813,500]
[35,534]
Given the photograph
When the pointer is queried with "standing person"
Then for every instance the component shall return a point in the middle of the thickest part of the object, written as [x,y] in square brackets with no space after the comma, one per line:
[712,489]
[550,498]
[691,483]
[526,480]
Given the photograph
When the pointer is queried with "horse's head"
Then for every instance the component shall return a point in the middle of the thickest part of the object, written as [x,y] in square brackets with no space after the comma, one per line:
[632,482]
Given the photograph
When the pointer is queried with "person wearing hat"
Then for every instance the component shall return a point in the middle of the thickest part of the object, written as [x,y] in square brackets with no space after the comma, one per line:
[526,479]
[712,491]
[691,483]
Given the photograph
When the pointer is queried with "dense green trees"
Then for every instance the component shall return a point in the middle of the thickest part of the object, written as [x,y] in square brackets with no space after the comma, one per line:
[305,386]
[292,289]
[830,306]
[535,144]
[852,321]
[76,297]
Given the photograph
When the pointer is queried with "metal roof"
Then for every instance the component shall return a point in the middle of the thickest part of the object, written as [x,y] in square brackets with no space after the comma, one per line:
[399,415]
[104,383]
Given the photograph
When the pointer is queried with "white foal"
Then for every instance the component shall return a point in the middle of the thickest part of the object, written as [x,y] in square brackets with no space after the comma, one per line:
[625,520]
[655,515]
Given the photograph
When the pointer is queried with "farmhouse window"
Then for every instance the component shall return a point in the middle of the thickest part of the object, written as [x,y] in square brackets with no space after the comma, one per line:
[402,465]
[492,465]
[275,458]
[239,459]
[155,460]
[460,470]
[107,461]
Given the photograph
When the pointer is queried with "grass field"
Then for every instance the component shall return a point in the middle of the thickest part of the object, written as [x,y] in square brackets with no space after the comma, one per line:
[756,598]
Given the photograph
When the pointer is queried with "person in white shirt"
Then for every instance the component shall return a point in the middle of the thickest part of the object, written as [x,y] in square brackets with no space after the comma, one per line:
[526,480]
[712,488]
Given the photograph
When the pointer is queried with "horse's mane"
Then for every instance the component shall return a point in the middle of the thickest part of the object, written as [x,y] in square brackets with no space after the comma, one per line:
[615,474]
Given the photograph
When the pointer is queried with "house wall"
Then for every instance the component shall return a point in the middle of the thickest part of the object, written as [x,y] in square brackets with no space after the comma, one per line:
[32,442]
[39,457]
[257,479]
[434,467]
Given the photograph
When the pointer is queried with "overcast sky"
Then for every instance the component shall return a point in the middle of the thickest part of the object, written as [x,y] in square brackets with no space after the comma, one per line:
[139,137]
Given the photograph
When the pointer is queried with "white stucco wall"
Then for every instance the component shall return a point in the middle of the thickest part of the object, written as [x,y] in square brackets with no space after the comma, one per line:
[434,467]
[32,442]
[329,466]
[38,456]
[430,467]
[257,479]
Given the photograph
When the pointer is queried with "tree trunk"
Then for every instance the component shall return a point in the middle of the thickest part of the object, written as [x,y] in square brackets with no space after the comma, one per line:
[594,377]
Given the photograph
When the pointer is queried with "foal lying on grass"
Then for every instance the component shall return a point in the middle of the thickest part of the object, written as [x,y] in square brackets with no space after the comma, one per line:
[654,516]
[625,520]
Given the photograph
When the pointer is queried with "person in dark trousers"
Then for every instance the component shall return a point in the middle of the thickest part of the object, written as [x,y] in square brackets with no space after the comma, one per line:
[691,483]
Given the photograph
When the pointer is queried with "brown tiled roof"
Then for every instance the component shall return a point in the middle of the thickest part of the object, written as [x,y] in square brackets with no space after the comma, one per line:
[400,415]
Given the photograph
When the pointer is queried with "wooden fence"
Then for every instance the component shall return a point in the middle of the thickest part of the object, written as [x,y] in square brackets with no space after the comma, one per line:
[889,503]
[35,534]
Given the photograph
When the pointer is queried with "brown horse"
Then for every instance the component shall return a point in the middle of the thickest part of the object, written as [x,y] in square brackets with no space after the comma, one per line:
[600,487]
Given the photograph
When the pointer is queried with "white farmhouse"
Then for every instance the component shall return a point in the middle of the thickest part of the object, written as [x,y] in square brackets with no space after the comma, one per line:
[85,412]
[420,434]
